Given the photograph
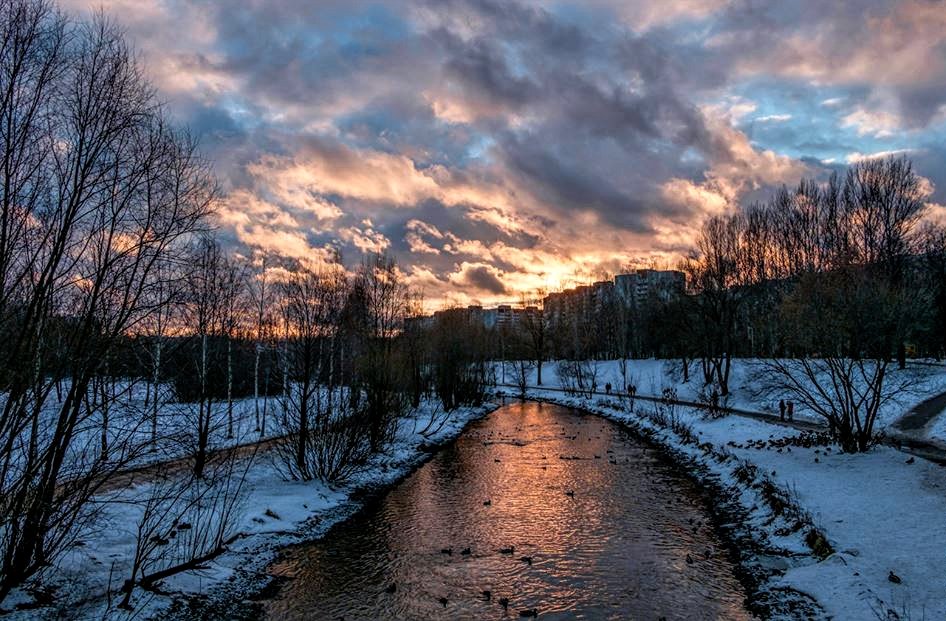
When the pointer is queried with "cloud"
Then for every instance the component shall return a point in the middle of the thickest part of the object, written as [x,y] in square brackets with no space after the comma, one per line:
[481,277]
[854,158]
[774,118]
[875,123]
[504,146]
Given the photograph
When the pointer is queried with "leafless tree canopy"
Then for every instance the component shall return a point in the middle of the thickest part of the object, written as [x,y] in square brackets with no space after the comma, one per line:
[831,280]
[100,197]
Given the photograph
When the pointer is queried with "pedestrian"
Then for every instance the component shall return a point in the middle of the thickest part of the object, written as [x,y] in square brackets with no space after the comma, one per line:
[607,388]
[791,410]
[714,401]
[781,409]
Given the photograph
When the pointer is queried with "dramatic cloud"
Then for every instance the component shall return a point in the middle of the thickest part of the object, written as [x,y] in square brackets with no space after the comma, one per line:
[501,146]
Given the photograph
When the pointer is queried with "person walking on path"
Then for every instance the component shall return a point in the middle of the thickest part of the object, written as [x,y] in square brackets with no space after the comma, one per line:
[781,409]
[791,410]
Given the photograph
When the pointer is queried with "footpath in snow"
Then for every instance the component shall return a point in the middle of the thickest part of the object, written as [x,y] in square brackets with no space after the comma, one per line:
[748,387]
[864,536]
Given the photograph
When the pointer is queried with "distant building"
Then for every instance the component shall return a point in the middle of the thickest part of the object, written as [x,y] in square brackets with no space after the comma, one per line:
[639,286]
[584,302]
[505,318]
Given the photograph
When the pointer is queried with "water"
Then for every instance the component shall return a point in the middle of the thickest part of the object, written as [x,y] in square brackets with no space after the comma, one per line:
[633,542]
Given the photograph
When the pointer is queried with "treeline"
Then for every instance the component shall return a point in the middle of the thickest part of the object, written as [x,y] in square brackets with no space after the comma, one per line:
[828,283]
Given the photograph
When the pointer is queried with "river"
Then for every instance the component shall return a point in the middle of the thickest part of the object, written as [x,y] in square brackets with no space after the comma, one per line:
[537,507]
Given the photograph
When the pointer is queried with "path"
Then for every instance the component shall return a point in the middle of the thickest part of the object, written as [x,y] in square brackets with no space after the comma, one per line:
[922,414]
[908,443]
[128,476]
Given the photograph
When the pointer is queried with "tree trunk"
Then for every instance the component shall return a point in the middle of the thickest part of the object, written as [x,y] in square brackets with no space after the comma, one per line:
[203,422]
[229,388]
[155,382]
[256,385]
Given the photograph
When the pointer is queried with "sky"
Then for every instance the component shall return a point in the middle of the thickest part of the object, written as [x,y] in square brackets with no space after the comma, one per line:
[499,147]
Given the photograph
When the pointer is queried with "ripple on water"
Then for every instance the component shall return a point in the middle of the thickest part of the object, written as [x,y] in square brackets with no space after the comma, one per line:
[632,541]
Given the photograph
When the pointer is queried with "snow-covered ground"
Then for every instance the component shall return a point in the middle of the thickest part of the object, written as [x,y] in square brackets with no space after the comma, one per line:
[273,512]
[748,385]
[937,429]
[881,512]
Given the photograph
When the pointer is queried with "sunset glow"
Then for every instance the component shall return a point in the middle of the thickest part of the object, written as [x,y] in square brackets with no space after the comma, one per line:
[496,148]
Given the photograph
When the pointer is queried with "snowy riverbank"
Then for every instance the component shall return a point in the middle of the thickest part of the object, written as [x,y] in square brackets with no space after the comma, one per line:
[812,525]
[880,514]
[272,513]
[748,386]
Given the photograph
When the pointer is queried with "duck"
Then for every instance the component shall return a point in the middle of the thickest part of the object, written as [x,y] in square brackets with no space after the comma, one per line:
[443,601]
[529,612]
[570,493]
[509,550]
[504,602]
[448,551]
[894,578]
[487,595]
[526,559]
[466,552]
[487,503]
[391,588]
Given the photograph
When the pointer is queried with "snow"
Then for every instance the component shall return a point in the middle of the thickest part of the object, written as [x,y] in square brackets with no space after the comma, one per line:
[880,513]
[747,384]
[937,428]
[275,512]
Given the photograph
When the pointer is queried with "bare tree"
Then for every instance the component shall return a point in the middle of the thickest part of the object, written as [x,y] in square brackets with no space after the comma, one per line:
[261,297]
[842,321]
[716,277]
[522,371]
[458,359]
[98,194]
[377,306]
[534,325]
[323,424]
[212,288]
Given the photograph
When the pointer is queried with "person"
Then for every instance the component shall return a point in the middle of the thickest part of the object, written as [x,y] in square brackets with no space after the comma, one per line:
[714,401]
[791,410]
[607,388]
[781,409]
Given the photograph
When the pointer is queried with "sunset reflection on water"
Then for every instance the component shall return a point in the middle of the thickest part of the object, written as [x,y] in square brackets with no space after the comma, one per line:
[616,549]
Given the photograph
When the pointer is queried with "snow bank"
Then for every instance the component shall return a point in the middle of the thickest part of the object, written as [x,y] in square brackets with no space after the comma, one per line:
[274,513]
[880,512]
[748,385]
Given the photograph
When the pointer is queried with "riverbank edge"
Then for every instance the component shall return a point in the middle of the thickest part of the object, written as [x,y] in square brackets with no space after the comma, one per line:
[240,597]
[725,495]
[737,495]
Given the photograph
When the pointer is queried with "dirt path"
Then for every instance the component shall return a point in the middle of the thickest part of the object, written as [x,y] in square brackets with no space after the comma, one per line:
[922,414]
[129,476]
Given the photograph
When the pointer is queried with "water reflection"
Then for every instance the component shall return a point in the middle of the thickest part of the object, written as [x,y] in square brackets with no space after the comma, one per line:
[598,528]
